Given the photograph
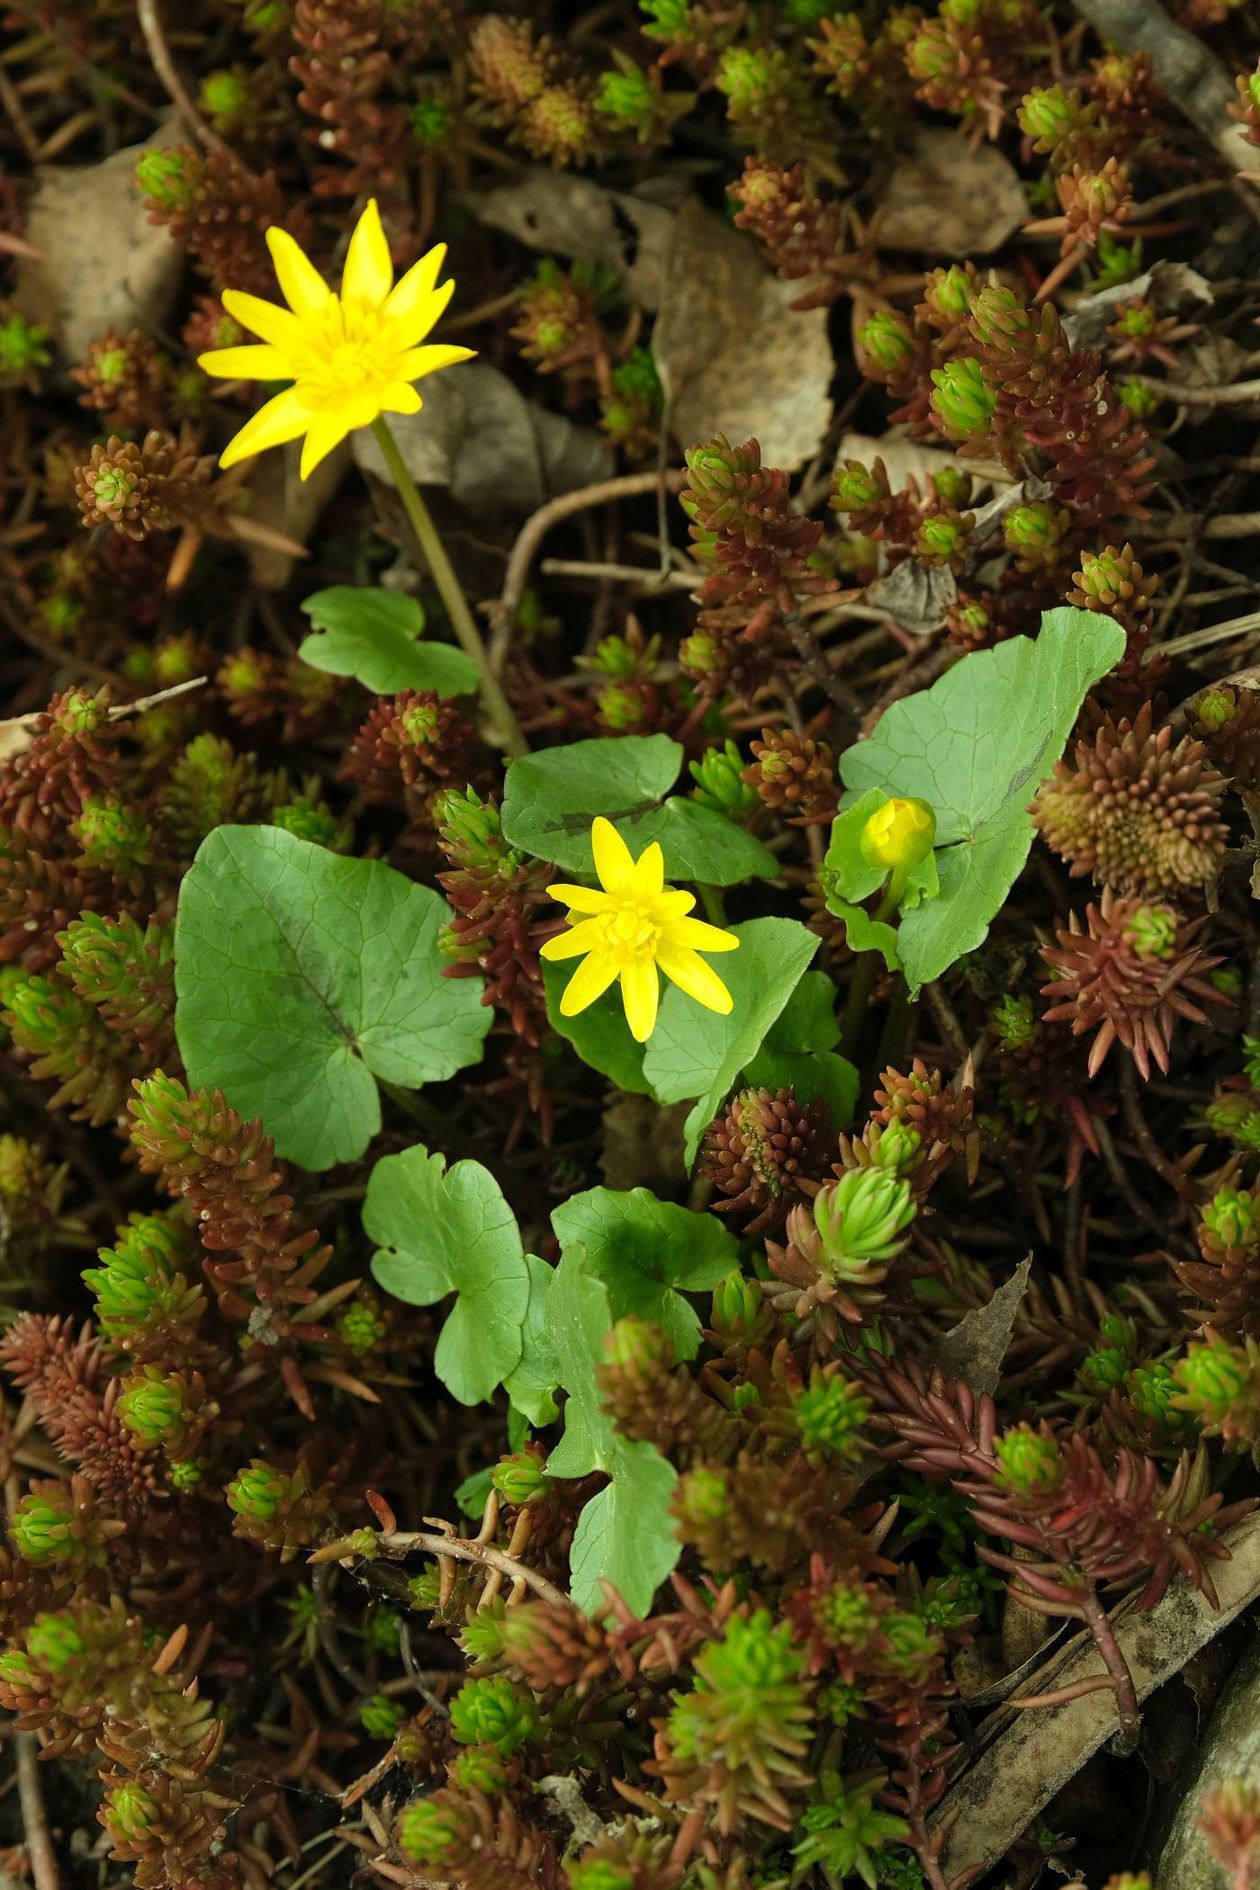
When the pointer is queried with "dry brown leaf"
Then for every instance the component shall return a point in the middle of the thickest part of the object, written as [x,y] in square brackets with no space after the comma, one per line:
[946,199]
[1029,1756]
[16,735]
[734,356]
[917,597]
[973,1350]
[1230,1749]
[494,450]
[570,216]
[1172,288]
[100,262]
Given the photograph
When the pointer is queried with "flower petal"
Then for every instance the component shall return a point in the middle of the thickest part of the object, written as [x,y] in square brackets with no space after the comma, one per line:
[417,362]
[400,397]
[690,973]
[301,284]
[257,361]
[613,863]
[580,898]
[578,939]
[672,904]
[591,979]
[701,937]
[283,418]
[277,325]
[326,430]
[640,991]
[408,300]
[368,275]
[649,871]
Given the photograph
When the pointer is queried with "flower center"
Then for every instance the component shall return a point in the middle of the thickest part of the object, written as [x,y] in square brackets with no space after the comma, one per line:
[356,348]
[631,933]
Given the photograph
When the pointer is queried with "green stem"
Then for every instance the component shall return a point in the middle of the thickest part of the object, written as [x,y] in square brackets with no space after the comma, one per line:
[711,900]
[440,569]
[867,970]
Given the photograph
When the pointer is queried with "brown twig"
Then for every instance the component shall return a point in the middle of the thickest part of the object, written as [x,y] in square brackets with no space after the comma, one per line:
[460,1549]
[535,529]
[160,53]
[1182,66]
[34,1818]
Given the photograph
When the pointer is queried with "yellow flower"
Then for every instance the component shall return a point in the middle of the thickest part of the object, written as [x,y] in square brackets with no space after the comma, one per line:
[900,833]
[635,928]
[350,356]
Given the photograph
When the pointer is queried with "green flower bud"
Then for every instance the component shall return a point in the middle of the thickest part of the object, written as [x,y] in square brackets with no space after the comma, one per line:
[16,1671]
[1152,932]
[426,1831]
[699,654]
[962,398]
[1233,1216]
[885,343]
[360,1327]
[470,830]
[1213,1379]
[601,1873]
[258,1491]
[1028,1461]
[635,1343]
[628,97]
[185,1474]
[718,776]
[520,1478]
[54,1641]
[432,121]
[1214,709]
[43,1529]
[481,1636]
[1034,531]
[703,1498]
[111,833]
[1048,114]
[167,177]
[153,1407]
[829,1415]
[901,833]
[861,1219]
[753,78]
[845,1615]
[1151,1390]
[23,349]
[494,1712]
[1135,322]
[938,539]
[131,1812]
[225,99]
[736,1305]
[380,1717]
[948,292]
[951,484]
[478,1769]
[913,1645]
[1015,1022]
[896,1149]
[856,488]
[1140,399]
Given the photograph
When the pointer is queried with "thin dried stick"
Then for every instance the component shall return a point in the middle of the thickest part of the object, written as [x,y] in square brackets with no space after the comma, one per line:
[535,529]
[34,1819]
[160,54]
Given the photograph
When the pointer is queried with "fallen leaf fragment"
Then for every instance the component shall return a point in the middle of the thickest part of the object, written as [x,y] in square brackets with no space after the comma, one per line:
[946,199]
[1029,1756]
[733,355]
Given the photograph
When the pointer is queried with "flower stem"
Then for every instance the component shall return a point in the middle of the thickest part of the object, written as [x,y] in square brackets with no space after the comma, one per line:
[866,971]
[440,569]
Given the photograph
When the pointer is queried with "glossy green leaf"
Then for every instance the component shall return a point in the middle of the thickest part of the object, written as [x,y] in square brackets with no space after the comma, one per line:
[441,1231]
[551,799]
[648,1253]
[302,977]
[625,1534]
[976,746]
[373,635]
[696,1052]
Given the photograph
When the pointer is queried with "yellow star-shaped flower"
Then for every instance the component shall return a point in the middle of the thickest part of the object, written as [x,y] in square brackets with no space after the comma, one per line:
[350,355]
[633,929]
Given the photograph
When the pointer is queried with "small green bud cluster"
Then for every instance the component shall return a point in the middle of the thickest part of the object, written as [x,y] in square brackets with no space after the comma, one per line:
[1029,1461]
[861,1220]
[962,398]
[493,1711]
[720,784]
